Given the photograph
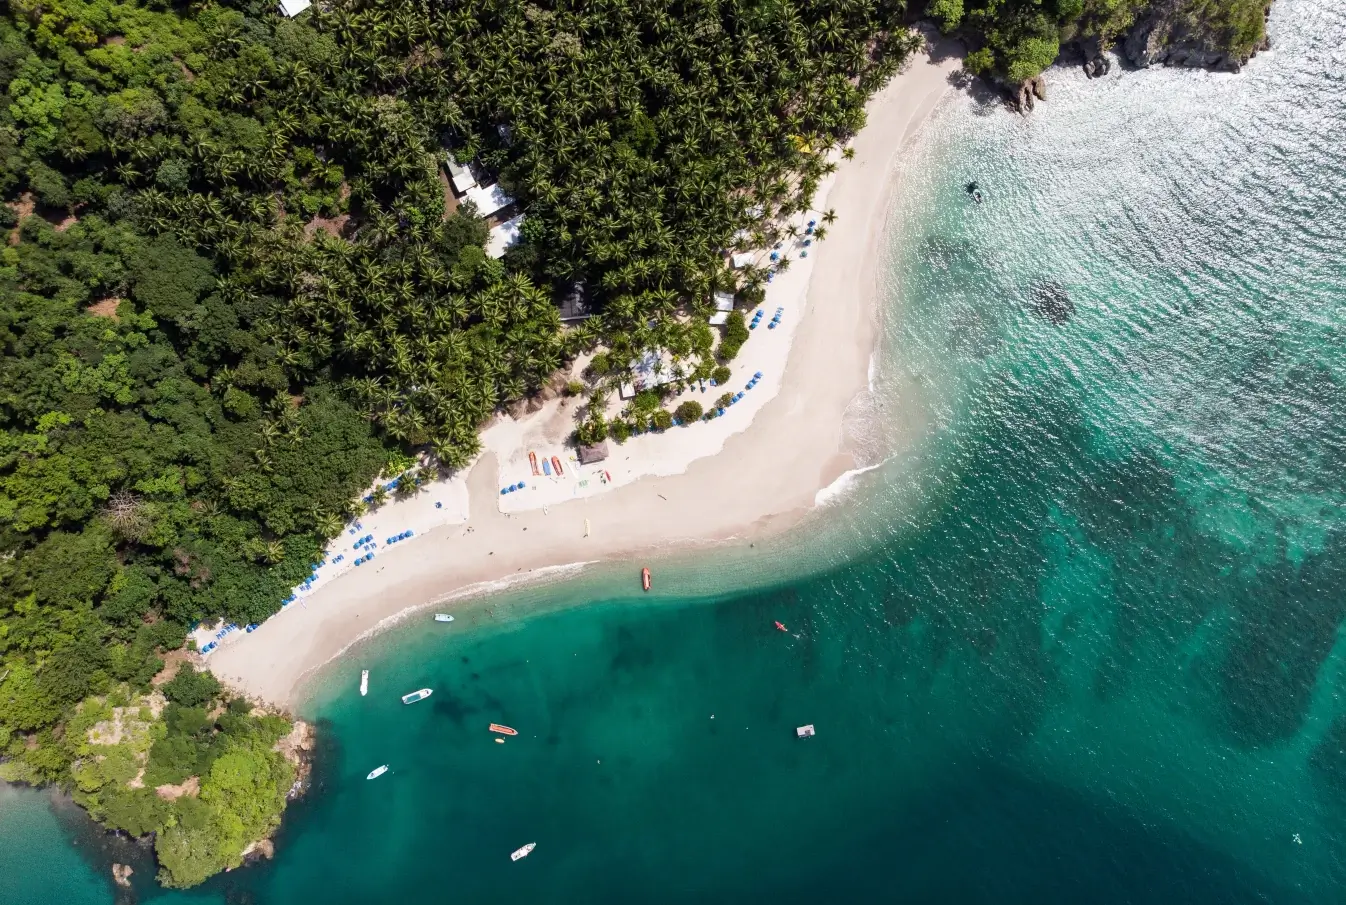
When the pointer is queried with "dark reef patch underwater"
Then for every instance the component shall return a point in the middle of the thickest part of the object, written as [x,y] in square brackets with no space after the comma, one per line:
[1084,644]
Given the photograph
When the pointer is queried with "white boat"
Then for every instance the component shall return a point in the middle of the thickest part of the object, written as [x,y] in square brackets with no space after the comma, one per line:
[805,731]
[416,696]
[522,852]
[377,772]
[443,617]
[364,682]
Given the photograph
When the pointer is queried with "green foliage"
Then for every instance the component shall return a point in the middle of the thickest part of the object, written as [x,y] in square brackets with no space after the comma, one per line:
[189,688]
[662,420]
[722,374]
[689,411]
[619,431]
[735,335]
[949,13]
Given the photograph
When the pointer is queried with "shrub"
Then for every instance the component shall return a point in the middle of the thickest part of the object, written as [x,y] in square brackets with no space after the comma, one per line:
[190,688]
[662,420]
[689,411]
[724,400]
[619,431]
[574,388]
[735,335]
[721,374]
[594,430]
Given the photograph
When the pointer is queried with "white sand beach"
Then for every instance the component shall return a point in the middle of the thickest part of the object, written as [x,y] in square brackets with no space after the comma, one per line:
[756,470]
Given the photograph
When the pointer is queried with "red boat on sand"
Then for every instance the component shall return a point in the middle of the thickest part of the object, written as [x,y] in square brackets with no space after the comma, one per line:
[645,579]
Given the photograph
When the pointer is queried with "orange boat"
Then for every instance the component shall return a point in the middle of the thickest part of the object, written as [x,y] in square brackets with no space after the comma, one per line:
[532,460]
[503,730]
[645,579]
[556,463]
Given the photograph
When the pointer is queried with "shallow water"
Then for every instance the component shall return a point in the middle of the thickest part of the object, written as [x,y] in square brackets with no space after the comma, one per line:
[1081,644]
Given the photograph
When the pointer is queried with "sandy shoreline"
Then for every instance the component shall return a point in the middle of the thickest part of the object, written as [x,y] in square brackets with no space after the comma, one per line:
[764,479]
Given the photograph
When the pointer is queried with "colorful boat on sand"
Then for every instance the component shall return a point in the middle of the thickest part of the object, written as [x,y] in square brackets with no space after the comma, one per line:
[546,468]
[503,730]
[645,579]
[522,852]
[416,696]
[556,464]
[532,460]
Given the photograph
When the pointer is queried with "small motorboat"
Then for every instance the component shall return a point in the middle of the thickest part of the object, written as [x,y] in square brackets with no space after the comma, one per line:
[645,579]
[364,682]
[532,461]
[556,465]
[443,617]
[503,730]
[416,696]
[805,731]
[377,772]
[522,852]
[781,626]
[975,191]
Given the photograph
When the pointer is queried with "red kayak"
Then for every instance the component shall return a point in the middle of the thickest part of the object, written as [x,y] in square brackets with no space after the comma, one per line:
[781,627]
[645,579]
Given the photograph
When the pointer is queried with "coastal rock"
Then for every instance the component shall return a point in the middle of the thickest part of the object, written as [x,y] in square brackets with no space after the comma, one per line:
[1029,92]
[1168,35]
[1096,62]
[121,875]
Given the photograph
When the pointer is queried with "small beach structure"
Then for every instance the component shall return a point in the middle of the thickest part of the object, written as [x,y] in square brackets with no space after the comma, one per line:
[742,259]
[504,237]
[724,303]
[574,303]
[293,8]
[488,199]
[805,731]
[593,453]
[459,175]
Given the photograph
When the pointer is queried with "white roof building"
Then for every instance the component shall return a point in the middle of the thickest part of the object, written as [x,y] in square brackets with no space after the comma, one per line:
[488,199]
[724,303]
[293,8]
[459,175]
[503,237]
[742,259]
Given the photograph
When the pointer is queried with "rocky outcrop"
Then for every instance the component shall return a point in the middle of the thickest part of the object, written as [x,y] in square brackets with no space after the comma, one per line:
[1031,91]
[1096,62]
[121,875]
[1164,36]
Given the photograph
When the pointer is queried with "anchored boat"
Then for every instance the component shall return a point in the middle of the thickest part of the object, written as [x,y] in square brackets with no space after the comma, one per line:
[522,852]
[443,617]
[377,772]
[416,696]
[503,730]
[805,731]
[364,682]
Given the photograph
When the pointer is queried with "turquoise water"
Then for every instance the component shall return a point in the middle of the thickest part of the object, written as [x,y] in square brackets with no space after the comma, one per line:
[1080,643]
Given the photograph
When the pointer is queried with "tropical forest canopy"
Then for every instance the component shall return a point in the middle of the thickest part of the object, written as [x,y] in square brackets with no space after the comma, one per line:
[232,291]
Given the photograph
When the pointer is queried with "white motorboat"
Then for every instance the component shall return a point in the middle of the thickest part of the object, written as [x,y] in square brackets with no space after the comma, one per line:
[364,682]
[805,731]
[377,772]
[416,696]
[443,617]
[522,852]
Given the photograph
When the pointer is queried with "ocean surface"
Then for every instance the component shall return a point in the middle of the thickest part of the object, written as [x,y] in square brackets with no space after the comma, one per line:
[1081,641]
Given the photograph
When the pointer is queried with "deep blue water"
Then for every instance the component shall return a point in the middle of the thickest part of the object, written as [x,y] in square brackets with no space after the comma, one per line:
[1079,641]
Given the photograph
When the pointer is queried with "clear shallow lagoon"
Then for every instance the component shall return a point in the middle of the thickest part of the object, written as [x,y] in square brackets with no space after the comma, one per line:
[1081,644]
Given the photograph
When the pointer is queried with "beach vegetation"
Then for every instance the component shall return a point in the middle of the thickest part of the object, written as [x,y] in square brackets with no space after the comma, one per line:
[662,420]
[619,430]
[725,400]
[688,411]
[735,335]
[722,374]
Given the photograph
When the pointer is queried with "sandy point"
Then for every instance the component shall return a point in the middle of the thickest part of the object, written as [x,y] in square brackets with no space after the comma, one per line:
[757,481]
